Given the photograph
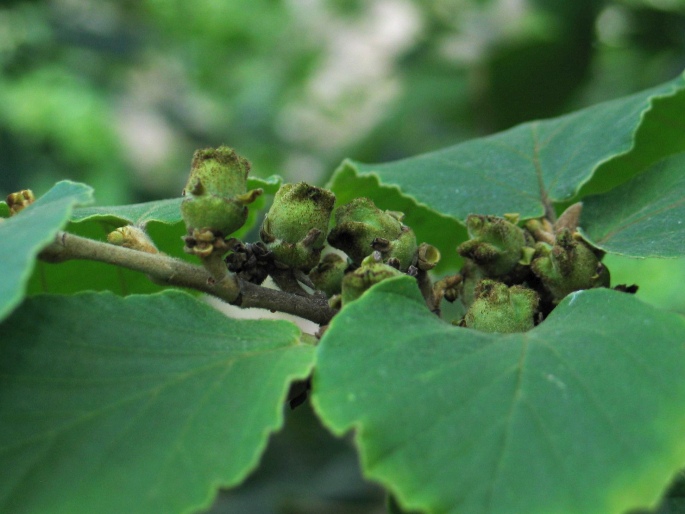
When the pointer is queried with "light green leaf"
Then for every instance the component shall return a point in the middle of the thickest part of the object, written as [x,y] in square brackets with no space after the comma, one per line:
[134,405]
[644,217]
[583,414]
[524,168]
[140,214]
[25,234]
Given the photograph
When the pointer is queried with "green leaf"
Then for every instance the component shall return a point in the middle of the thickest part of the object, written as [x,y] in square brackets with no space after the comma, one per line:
[644,217]
[4,210]
[25,234]
[583,414]
[522,169]
[161,220]
[139,404]
[140,214]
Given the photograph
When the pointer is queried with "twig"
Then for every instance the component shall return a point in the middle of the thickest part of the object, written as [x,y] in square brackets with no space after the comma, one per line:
[166,270]
[286,281]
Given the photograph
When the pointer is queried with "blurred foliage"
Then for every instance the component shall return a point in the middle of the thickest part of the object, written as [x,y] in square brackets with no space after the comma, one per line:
[119,95]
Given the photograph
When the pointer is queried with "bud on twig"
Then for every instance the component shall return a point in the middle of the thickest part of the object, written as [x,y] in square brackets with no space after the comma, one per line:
[19,200]
[133,237]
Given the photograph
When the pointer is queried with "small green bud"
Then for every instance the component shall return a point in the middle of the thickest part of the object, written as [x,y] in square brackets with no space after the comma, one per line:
[361,227]
[498,308]
[130,236]
[327,276]
[496,245]
[19,200]
[295,228]
[372,271]
[216,191]
[570,265]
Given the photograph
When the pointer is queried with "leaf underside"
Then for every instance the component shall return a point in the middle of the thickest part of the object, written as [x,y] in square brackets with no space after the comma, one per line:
[641,218]
[582,414]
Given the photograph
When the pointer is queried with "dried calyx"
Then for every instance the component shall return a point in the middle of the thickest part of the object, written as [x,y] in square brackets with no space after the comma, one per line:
[250,261]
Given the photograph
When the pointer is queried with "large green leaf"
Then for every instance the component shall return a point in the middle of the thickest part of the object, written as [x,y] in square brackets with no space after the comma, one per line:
[25,234]
[161,220]
[524,168]
[138,404]
[644,217]
[583,414]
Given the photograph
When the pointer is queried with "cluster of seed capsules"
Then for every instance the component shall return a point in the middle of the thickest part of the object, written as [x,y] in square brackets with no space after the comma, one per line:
[512,276]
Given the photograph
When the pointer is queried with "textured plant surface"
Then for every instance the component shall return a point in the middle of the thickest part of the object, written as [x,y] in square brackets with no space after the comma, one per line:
[549,388]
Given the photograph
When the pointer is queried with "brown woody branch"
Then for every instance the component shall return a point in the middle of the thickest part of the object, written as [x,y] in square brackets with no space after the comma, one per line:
[166,270]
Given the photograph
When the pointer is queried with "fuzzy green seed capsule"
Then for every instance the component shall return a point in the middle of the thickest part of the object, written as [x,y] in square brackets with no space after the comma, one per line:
[498,308]
[570,265]
[496,245]
[327,276]
[371,272]
[361,228]
[295,228]
[216,191]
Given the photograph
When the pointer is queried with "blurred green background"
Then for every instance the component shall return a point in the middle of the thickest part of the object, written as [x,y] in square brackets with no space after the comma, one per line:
[120,94]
